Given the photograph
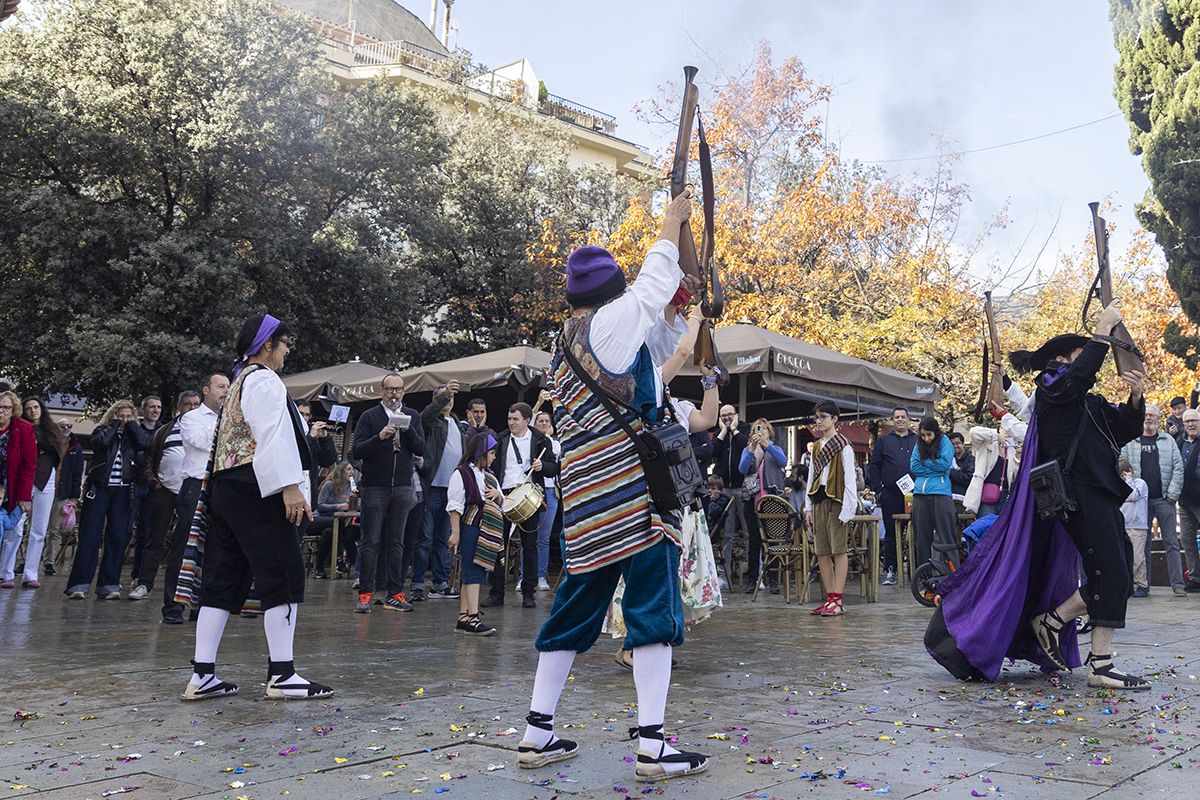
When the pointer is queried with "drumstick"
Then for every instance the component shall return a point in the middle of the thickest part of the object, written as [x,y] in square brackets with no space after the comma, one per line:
[539,458]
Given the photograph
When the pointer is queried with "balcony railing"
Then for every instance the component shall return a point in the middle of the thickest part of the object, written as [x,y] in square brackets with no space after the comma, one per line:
[380,54]
[398,52]
[578,114]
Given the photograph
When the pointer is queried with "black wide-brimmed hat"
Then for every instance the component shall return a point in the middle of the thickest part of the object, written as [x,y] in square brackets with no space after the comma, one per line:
[1037,360]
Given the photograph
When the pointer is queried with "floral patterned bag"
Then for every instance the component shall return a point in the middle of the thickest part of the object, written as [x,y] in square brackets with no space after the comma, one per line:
[698,570]
[699,584]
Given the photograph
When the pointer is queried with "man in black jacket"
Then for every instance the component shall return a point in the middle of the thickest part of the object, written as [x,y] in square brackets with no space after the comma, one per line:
[386,439]
[727,447]
[444,445]
[960,475]
[1189,498]
[521,449]
[151,421]
[889,463]
[106,514]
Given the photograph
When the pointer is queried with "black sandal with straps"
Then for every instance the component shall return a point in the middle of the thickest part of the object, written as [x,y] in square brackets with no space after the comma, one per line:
[650,767]
[1109,677]
[530,757]
[210,688]
[1047,637]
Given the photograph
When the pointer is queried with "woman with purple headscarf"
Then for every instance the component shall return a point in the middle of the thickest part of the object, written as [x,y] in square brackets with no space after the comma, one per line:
[256,497]
[473,500]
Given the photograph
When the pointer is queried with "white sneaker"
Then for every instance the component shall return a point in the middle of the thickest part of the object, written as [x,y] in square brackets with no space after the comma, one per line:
[113,596]
[77,596]
[139,592]
[542,586]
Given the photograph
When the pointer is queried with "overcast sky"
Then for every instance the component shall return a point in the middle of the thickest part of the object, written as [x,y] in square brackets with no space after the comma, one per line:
[905,76]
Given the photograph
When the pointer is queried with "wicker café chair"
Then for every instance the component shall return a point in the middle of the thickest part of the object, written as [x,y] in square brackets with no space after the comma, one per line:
[784,546]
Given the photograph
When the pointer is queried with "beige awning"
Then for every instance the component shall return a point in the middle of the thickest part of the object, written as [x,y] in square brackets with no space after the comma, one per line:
[790,368]
[518,366]
[343,383]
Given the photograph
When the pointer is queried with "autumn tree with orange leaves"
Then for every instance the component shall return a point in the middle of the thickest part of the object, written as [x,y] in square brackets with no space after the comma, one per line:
[848,258]
[1055,303]
[828,252]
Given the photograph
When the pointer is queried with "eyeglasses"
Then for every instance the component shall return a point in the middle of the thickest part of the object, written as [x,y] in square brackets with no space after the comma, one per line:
[7,408]
[393,389]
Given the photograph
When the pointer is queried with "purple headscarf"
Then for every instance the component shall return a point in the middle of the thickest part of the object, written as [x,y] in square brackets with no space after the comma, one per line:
[483,446]
[265,331]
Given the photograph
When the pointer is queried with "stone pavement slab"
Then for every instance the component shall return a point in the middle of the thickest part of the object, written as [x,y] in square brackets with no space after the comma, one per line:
[787,705]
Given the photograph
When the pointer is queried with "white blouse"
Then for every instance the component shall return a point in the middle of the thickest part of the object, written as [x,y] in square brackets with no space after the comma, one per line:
[849,493]
[620,328]
[456,493]
[277,462]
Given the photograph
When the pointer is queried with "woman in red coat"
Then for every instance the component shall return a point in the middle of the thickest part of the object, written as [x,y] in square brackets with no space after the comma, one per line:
[18,462]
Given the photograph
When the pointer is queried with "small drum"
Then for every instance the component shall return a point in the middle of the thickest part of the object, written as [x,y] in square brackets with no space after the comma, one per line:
[524,502]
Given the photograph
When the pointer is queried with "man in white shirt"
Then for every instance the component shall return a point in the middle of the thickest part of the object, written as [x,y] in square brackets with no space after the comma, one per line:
[164,461]
[521,450]
[197,429]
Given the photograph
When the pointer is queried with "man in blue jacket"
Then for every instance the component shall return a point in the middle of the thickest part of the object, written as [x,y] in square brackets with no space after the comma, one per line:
[889,463]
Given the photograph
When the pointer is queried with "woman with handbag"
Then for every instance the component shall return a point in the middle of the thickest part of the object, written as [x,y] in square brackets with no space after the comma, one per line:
[51,445]
[996,463]
[762,463]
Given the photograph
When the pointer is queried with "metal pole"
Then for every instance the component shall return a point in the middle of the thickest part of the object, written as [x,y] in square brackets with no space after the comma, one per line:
[742,396]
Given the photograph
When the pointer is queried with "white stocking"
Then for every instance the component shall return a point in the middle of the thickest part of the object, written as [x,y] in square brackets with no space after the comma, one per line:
[553,668]
[652,677]
[279,623]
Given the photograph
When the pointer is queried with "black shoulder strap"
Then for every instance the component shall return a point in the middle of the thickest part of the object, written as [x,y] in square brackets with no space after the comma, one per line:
[642,448]
[1083,418]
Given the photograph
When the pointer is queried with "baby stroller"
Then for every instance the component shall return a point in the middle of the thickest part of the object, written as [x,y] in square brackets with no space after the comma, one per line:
[944,560]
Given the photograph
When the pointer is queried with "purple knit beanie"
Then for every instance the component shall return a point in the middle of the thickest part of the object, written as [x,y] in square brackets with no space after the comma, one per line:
[593,277]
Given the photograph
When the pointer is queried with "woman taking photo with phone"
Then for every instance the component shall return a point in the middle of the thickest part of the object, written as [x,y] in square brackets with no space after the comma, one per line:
[762,463]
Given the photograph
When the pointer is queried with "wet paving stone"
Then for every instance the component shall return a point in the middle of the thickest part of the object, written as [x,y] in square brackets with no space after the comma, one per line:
[787,705]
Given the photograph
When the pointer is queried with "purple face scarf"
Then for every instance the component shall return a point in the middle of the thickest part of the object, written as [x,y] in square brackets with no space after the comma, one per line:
[265,331]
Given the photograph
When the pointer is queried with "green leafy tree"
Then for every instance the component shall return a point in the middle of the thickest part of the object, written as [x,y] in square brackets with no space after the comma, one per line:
[171,168]
[1157,84]
[514,206]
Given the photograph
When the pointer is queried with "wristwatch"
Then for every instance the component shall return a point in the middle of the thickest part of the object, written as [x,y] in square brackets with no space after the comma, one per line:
[708,382]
